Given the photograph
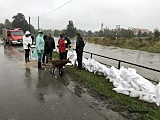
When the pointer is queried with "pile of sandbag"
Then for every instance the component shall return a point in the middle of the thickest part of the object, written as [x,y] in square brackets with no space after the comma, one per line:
[125,81]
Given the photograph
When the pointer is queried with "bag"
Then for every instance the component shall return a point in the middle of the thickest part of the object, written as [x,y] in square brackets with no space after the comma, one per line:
[35,54]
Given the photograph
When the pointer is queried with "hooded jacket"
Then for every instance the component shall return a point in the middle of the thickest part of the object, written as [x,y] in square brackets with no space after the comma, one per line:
[40,43]
[27,40]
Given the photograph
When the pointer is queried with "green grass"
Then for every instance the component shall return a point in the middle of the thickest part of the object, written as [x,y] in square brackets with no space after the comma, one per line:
[104,87]
[55,55]
[144,45]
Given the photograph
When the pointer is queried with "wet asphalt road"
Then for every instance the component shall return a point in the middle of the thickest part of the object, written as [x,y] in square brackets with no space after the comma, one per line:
[29,94]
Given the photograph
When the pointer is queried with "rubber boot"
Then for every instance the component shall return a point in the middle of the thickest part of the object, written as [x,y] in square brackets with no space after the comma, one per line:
[40,66]
[28,59]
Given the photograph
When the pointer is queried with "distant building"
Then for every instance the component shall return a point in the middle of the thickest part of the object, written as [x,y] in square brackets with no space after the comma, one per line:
[102,28]
[118,27]
[136,31]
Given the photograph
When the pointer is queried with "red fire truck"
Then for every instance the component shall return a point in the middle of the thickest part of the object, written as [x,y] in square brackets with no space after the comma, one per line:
[13,36]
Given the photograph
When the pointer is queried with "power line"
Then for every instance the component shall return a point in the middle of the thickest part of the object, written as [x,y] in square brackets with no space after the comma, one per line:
[57,8]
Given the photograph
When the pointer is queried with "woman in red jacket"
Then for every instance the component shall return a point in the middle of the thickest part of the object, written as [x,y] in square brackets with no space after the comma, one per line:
[62,47]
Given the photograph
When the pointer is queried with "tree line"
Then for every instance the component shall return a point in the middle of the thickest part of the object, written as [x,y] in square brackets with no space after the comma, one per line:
[19,21]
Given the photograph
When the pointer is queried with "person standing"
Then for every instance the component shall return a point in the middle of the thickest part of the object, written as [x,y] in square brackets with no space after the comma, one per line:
[46,51]
[79,49]
[51,45]
[62,47]
[27,41]
[68,45]
[40,49]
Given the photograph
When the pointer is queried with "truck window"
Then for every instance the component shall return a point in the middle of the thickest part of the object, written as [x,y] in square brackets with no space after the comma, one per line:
[17,33]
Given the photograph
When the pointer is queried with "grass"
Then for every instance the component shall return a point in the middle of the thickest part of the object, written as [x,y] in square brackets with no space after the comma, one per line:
[144,45]
[104,87]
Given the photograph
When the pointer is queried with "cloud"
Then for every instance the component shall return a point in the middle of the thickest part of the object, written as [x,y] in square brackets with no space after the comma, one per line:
[86,14]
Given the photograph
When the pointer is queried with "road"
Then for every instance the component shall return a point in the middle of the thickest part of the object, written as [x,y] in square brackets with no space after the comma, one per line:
[29,94]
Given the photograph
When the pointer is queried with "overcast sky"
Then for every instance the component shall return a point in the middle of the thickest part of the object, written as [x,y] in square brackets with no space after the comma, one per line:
[86,14]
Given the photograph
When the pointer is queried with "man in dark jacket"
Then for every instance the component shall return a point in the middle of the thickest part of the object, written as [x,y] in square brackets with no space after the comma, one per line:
[51,45]
[68,45]
[79,49]
[46,51]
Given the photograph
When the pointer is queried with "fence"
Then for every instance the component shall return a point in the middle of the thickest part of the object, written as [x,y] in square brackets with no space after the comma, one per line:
[122,61]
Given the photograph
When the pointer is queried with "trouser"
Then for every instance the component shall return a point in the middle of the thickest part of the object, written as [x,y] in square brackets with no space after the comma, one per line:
[65,55]
[45,57]
[61,56]
[51,54]
[79,59]
[40,55]
[27,54]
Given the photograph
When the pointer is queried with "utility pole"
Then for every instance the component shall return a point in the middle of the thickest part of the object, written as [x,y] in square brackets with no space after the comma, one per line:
[38,23]
[29,27]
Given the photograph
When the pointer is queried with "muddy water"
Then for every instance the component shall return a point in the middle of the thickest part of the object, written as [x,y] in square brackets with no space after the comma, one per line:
[147,59]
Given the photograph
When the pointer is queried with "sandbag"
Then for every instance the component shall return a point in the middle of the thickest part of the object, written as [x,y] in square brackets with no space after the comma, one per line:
[135,86]
[134,93]
[158,89]
[120,89]
[148,97]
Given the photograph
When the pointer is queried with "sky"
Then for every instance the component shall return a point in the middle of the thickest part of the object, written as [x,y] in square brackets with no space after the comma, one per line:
[86,14]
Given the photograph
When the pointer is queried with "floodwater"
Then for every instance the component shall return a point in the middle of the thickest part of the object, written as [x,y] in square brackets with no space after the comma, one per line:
[143,58]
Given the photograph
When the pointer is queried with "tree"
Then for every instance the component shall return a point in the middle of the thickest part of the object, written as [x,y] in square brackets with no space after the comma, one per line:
[156,33]
[19,21]
[89,33]
[70,30]
[139,33]
[82,32]
[56,33]
[1,28]
[150,35]
[7,23]
[100,33]
[145,34]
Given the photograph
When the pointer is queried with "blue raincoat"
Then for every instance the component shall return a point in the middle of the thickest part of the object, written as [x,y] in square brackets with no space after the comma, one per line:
[39,50]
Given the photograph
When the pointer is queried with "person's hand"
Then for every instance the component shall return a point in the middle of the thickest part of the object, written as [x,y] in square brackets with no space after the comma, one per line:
[29,45]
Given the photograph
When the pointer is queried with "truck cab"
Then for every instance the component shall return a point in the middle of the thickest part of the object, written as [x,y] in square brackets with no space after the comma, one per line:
[13,36]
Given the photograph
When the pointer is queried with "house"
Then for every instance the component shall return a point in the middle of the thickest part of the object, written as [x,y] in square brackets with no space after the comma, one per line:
[136,31]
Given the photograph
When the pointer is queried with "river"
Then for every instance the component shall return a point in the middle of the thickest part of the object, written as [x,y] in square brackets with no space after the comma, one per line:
[143,58]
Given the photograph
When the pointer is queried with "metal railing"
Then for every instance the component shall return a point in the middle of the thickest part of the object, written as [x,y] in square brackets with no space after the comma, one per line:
[122,61]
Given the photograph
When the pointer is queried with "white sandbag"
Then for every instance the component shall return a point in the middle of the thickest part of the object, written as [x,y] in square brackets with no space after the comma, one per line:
[135,86]
[72,57]
[148,97]
[158,89]
[132,71]
[125,81]
[120,89]
[158,101]
[111,79]
[135,93]
[116,84]
[126,85]
[119,80]
[124,73]
[113,72]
